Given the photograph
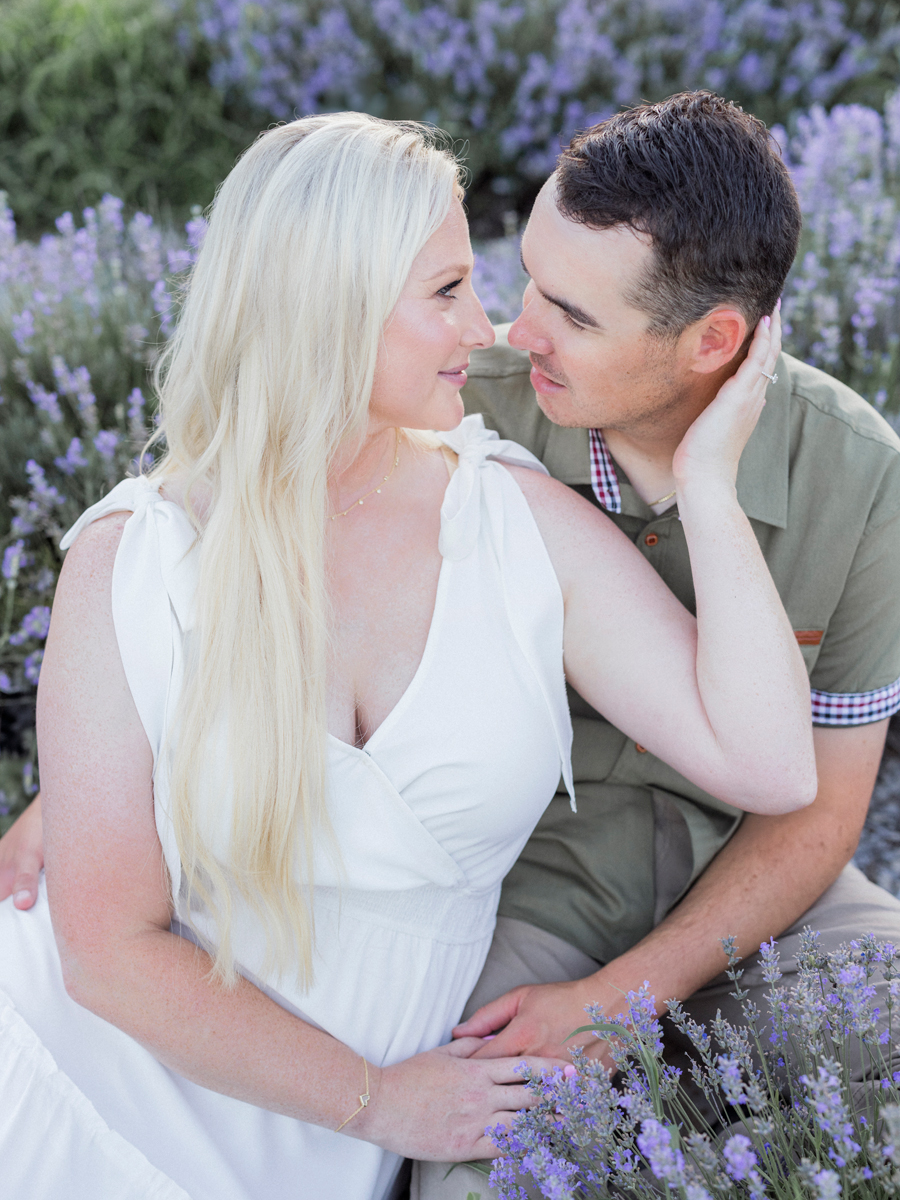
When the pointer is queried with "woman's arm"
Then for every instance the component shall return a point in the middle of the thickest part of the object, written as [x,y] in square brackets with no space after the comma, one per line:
[724,698]
[109,903]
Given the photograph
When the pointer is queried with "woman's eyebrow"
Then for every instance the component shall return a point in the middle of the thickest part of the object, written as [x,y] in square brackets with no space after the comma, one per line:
[459,269]
[576,313]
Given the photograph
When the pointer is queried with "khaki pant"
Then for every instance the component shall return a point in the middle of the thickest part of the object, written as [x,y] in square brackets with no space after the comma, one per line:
[521,953]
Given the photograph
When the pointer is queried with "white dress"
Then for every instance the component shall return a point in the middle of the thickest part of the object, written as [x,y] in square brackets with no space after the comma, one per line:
[429,817]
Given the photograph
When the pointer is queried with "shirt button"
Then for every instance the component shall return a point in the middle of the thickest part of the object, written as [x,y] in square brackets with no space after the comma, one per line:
[640,749]
[651,539]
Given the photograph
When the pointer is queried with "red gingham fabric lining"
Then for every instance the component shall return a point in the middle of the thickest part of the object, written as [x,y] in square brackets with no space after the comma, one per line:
[855,708]
[603,474]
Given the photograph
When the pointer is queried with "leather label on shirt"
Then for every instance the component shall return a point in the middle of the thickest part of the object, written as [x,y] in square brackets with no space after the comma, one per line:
[809,637]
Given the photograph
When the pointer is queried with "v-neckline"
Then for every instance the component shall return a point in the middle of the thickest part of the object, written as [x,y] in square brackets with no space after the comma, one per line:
[451,460]
[413,685]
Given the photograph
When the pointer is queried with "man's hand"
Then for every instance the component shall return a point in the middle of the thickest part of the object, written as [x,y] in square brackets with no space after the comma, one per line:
[22,857]
[538,1019]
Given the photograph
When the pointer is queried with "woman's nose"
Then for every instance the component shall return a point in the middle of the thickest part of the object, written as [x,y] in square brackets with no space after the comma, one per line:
[480,331]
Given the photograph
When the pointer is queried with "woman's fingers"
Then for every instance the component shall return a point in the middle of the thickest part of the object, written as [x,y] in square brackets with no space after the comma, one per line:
[509,1070]
[22,857]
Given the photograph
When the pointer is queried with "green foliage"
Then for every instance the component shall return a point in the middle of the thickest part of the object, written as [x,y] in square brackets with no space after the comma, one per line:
[109,96]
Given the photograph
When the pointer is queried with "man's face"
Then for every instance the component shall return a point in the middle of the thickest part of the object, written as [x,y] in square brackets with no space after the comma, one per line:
[593,362]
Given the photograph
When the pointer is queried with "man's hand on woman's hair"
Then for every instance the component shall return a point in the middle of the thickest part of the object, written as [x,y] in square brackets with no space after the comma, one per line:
[22,857]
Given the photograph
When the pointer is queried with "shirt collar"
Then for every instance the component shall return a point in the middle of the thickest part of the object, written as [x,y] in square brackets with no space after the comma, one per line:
[763,472]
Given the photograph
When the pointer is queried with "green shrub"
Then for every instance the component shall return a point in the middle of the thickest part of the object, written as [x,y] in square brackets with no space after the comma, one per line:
[109,96]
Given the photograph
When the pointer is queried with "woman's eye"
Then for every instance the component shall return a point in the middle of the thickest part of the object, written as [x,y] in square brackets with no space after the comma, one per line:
[448,287]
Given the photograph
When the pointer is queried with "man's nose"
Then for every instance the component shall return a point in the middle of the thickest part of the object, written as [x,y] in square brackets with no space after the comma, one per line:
[525,332]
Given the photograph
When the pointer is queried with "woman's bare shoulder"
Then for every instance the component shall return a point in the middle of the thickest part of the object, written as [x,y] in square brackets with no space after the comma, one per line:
[89,560]
[552,501]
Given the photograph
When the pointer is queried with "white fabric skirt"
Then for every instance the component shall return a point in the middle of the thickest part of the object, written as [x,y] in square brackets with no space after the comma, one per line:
[86,1113]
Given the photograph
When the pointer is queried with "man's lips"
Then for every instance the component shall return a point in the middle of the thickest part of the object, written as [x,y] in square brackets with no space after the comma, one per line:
[543,383]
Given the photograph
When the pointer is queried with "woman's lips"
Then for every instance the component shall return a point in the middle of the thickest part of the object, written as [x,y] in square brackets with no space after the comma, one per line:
[544,384]
[456,376]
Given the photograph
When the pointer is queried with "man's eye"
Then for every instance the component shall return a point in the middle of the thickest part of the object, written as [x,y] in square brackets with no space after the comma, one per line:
[448,287]
[570,321]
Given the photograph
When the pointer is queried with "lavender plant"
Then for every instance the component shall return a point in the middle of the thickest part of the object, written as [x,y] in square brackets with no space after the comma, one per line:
[82,316]
[516,76]
[769,1110]
[842,303]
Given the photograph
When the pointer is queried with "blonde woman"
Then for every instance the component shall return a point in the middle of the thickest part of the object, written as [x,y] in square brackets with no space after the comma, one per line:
[303,700]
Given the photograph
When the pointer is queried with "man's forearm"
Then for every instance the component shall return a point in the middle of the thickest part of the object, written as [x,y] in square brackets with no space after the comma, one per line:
[769,874]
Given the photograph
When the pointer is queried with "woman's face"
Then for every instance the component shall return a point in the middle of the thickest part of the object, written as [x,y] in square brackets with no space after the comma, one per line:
[425,350]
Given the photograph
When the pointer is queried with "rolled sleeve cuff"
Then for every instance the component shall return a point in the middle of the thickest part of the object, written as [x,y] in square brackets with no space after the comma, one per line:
[855,708]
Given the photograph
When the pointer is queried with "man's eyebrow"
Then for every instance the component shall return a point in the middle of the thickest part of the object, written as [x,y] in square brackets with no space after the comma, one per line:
[576,313]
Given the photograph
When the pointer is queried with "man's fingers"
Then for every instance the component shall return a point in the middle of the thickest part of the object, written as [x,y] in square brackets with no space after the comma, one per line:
[490,1017]
[505,1044]
[461,1048]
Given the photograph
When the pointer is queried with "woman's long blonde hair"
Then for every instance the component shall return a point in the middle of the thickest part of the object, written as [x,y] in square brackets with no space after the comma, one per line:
[310,241]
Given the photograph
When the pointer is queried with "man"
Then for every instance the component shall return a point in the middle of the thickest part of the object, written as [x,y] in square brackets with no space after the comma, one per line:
[665,234]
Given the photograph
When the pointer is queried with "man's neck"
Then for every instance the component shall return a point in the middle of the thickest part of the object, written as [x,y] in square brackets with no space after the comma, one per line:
[645,451]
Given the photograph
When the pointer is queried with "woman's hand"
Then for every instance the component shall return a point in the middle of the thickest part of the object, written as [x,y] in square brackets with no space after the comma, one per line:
[22,856]
[712,446]
[437,1105]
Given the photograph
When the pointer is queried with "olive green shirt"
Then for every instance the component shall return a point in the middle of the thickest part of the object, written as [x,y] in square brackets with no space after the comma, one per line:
[820,481]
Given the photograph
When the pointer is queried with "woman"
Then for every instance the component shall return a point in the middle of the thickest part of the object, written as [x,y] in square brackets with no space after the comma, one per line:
[303,700]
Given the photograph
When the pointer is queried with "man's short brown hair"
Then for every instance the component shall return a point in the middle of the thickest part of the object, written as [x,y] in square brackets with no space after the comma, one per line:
[706,182]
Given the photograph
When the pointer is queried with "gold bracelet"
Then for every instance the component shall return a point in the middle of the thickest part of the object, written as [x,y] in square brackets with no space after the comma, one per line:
[363,1101]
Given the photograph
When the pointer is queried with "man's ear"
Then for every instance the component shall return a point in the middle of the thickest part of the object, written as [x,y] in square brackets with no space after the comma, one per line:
[716,340]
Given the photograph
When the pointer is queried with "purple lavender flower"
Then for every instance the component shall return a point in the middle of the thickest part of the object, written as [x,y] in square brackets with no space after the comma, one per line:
[136,411]
[44,401]
[825,1100]
[5,683]
[196,231]
[178,259]
[739,1156]
[73,459]
[731,1079]
[44,494]
[34,625]
[77,385]
[827,1185]
[163,305]
[665,1159]
[12,559]
[23,330]
[148,241]
[110,212]
[105,443]
[32,666]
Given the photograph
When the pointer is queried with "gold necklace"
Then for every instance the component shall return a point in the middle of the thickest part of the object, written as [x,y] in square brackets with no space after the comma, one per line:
[374,490]
[662,499]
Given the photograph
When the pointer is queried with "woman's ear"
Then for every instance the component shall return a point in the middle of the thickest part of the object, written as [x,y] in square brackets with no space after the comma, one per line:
[717,339]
